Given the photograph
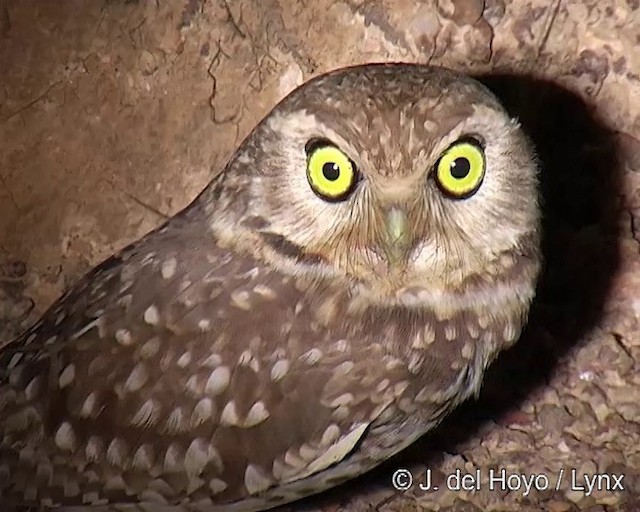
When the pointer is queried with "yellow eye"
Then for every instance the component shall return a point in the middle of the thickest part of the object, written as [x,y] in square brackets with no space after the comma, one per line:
[460,170]
[331,174]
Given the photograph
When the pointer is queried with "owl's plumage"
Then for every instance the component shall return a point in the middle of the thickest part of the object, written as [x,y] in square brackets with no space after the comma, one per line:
[267,343]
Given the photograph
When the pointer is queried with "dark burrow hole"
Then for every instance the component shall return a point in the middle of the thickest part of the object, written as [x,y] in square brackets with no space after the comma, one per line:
[580,187]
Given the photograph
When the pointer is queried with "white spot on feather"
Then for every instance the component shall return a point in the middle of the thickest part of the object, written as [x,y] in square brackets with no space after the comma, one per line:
[152,315]
[204,324]
[344,399]
[33,388]
[94,449]
[123,336]
[197,457]
[88,406]
[330,435]
[312,356]
[240,299]
[67,376]
[217,486]
[143,457]
[229,415]
[184,360]
[168,269]
[65,437]
[256,480]
[150,348]
[116,452]
[147,415]
[175,421]
[279,369]
[137,378]
[256,415]
[218,381]
[173,459]
[202,412]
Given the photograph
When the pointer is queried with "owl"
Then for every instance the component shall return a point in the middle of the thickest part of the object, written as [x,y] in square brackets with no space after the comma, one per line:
[336,290]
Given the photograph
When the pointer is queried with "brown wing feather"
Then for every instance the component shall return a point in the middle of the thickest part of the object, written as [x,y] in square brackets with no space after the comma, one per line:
[178,370]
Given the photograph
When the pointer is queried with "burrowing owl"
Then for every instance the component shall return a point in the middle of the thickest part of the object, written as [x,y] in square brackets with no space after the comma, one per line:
[337,289]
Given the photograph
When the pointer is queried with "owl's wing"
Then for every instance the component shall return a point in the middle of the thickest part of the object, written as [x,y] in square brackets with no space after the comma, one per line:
[179,370]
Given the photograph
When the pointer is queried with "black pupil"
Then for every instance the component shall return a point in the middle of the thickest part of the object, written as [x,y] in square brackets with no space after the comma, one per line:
[331,171]
[460,167]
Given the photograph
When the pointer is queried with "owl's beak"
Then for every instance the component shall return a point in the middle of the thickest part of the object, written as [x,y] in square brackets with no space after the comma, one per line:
[397,236]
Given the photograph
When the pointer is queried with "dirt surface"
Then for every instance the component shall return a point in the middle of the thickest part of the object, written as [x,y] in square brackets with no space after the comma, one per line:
[115,114]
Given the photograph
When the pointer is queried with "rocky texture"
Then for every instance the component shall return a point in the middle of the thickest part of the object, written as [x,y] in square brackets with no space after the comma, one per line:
[114,114]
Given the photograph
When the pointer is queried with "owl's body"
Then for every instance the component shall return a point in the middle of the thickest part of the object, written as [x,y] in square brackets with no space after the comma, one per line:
[281,335]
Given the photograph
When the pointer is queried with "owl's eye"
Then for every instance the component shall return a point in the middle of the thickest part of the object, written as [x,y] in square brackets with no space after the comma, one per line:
[460,169]
[331,174]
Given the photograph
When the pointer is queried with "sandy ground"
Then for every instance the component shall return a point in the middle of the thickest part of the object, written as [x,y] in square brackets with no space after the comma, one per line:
[115,114]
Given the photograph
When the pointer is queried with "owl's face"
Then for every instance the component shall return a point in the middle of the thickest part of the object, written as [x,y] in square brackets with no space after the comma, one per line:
[396,178]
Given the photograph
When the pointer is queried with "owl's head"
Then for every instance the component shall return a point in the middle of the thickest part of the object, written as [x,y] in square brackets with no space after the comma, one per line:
[396,176]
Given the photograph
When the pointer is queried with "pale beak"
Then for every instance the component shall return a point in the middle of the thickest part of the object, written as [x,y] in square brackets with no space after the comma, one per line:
[397,236]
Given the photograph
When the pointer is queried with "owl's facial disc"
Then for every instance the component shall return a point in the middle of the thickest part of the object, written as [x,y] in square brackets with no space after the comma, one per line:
[418,181]
[396,200]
